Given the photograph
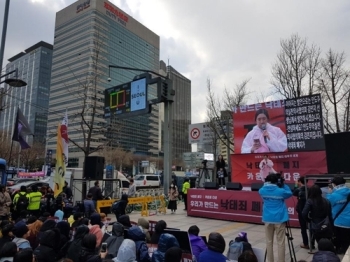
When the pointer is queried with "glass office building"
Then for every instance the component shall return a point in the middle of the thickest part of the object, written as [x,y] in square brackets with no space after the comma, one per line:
[90,35]
[34,67]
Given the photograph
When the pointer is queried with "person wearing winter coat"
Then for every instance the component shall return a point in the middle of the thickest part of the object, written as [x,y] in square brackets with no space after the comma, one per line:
[64,229]
[5,203]
[144,225]
[127,252]
[115,240]
[216,246]
[7,252]
[241,238]
[326,252]
[136,234]
[20,230]
[6,231]
[75,246]
[197,243]
[125,221]
[120,211]
[47,225]
[275,214]
[166,241]
[47,251]
[88,252]
[315,211]
[338,198]
[158,230]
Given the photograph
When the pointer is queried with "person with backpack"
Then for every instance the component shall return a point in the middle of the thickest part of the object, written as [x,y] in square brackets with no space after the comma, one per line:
[197,243]
[238,246]
[339,199]
[119,206]
[34,201]
[21,201]
[136,234]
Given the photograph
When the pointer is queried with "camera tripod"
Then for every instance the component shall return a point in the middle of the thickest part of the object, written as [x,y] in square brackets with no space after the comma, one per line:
[289,236]
[204,173]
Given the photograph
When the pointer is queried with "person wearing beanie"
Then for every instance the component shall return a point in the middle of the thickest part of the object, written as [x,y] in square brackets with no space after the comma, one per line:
[197,243]
[216,246]
[326,252]
[20,230]
[173,254]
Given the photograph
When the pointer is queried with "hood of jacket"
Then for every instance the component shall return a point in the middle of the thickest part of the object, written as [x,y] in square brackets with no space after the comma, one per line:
[135,233]
[167,241]
[81,231]
[216,242]
[64,228]
[48,224]
[325,256]
[117,229]
[125,220]
[50,238]
[127,252]
[144,223]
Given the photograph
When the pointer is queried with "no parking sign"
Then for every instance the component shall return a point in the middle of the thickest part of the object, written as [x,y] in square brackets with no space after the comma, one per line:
[200,133]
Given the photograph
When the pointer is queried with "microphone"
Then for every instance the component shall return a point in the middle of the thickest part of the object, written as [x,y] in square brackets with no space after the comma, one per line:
[263,127]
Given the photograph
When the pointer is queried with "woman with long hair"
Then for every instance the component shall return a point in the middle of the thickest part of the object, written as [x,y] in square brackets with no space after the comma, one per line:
[316,211]
[34,229]
[173,194]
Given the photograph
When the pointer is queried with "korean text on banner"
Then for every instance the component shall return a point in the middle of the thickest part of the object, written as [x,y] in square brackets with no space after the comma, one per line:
[60,169]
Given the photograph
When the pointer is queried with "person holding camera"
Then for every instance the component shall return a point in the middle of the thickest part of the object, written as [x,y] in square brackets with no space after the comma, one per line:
[275,213]
[339,199]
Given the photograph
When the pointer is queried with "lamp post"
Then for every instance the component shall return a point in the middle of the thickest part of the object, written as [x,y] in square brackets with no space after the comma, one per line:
[4,29]
[14,82]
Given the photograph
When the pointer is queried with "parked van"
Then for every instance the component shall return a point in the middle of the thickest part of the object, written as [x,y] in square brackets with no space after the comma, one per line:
[147,180]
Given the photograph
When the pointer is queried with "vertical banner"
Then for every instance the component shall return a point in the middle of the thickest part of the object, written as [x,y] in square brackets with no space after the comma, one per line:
[109,184]
[60,168]
[292,165]
[48,162]
[65,140]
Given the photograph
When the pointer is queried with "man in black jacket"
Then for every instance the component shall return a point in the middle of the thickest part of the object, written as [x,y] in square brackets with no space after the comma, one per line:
[96,193]
[299,192]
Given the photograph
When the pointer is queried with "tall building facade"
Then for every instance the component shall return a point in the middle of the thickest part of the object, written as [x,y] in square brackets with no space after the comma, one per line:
[90,35]
[181,113]
[34,67]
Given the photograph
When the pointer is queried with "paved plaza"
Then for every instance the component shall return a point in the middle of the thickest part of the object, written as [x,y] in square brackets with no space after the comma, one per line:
[228,229]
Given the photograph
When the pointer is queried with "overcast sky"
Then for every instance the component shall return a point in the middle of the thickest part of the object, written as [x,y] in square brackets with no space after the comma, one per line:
[224,40]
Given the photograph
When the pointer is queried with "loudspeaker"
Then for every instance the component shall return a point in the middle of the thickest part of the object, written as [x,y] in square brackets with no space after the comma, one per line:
[233,186]
[94,166]
[256,186]
[211,185]
[337,152]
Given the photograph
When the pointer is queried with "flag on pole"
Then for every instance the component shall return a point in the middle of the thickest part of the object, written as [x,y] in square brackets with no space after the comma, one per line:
[21,130]
[61,155]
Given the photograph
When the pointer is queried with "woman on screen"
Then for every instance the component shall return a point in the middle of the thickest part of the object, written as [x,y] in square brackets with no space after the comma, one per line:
[264,138]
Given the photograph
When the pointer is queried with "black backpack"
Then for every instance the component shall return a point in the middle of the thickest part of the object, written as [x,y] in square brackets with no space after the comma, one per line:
[22,202]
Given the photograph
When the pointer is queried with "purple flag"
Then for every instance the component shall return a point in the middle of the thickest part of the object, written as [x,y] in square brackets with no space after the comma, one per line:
[21,130]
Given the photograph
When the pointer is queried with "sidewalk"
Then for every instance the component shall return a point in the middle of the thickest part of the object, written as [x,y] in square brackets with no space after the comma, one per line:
[228,229]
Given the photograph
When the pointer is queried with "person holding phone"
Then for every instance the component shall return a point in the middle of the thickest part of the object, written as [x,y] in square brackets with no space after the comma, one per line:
[264,137]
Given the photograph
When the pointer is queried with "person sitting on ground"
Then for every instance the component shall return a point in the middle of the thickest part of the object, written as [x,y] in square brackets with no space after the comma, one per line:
[216,246]
[6,232]
[166,241]
[326,252]
[48,250]
[20,230]
[248,256]
[158,230]
[89,206]
[118,207]
[197,243]
[136,234]
[173,254]
[25,255]
[127,252]
[88,251]
[125,221]
[34,229]
[238,246]
[47,225]
[95,228]
[115,240]
[75,247]
[64,229]
[77,219]
[144,225]
[7,252]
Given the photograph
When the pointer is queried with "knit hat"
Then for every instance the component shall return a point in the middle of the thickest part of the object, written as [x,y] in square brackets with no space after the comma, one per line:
[325,245]
[243,236]
[216,242]
[20,229]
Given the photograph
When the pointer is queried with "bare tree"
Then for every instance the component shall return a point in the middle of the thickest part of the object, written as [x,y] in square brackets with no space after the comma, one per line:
[118,157]
[5,146]
[33,158]
[294,73]
[219,106]
[334,87]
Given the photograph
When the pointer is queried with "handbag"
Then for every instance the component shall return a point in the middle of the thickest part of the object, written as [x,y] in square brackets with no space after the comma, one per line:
[324,227]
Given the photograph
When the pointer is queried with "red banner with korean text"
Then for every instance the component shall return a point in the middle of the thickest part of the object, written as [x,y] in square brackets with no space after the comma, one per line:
[242,206]
[292,165]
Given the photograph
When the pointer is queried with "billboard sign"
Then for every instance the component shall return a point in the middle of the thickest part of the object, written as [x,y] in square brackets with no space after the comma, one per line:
[292,125]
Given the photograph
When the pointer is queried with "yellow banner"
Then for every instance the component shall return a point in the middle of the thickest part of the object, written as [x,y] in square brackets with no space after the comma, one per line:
[60,168]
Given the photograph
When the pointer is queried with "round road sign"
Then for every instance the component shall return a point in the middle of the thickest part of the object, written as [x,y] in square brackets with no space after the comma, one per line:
[195,133]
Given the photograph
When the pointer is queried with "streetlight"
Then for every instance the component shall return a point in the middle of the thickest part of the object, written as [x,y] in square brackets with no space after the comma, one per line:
[14,82]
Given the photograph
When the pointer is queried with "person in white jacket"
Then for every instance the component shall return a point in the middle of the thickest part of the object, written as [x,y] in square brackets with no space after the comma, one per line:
[266,167]
[264,137]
